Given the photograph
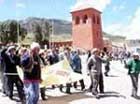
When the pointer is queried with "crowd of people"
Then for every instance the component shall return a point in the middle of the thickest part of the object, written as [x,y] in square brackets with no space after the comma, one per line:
[32,59]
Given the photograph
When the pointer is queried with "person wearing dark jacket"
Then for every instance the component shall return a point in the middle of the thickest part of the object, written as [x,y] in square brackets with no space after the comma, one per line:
[32,73]
[107,64]
[53,57]
[4,77]
[11,60]
[77,68]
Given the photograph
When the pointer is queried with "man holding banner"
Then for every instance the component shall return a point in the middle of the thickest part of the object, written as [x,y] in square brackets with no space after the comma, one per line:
[30,62]
[77,66]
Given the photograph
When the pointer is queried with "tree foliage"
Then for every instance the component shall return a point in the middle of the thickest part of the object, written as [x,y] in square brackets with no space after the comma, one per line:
[38,33]
[11,31]
[16,31]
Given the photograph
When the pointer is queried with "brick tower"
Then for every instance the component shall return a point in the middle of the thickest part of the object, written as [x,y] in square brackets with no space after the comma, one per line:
[87,29]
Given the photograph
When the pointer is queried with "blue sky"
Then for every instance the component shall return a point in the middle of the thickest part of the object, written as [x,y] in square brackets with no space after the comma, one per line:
[38,8]
[118,16]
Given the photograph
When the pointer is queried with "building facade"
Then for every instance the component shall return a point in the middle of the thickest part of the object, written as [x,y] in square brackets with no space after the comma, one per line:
[133,45]
[87,29]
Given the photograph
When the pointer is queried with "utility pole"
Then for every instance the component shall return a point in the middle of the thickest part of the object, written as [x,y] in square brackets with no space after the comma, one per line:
[17,8]
[18,26]
[51,34]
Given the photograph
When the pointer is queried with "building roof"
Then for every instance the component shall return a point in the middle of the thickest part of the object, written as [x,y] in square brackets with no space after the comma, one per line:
[118,44]
[84,6]
[133,37]
[105,38]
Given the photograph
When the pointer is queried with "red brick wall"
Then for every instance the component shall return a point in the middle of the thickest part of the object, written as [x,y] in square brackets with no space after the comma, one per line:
[60,44]
[84,35]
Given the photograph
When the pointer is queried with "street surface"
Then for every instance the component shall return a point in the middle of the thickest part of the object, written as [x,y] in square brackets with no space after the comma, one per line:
[117,91]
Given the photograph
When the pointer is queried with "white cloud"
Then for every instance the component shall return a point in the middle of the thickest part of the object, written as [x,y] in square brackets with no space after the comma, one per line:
[132,30]
[118,8]
[98,4]
[1,2]
[129,17]
[135,23]
[20,5]
[114,29]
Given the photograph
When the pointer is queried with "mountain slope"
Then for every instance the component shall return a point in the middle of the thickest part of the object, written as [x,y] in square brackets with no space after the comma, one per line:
[54,27]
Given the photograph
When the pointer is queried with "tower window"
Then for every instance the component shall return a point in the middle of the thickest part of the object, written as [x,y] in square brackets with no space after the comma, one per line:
[98,20]
[77,20]
[93,19]
[85,19]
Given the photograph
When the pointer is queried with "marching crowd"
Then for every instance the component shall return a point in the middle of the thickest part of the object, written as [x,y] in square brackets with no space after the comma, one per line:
[32,59]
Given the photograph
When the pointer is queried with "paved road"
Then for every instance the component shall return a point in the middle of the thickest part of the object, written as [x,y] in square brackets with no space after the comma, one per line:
[117,91]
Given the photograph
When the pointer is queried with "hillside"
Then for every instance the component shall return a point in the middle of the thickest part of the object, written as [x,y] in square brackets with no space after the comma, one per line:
[114,38]
[54,28]
[60,27]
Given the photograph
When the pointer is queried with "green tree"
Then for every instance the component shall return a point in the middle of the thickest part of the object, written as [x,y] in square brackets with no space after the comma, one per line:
[23,33]
[4,32]
[45,31]
[14,30]
[38,33]
[11,31]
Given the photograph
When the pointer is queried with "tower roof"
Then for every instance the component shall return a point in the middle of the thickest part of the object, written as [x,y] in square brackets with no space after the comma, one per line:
[83,7]
[78,10]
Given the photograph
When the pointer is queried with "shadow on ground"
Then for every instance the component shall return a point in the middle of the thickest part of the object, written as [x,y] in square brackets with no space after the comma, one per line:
[65,99]
[112,76]
[112,94]
[77,96]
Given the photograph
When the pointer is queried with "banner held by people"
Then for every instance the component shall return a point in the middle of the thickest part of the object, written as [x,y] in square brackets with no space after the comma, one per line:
[59,73]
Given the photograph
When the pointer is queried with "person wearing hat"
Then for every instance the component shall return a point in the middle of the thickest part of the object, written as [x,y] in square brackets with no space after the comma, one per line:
[94,65]
[32,77]
[11,60]
[133,66]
